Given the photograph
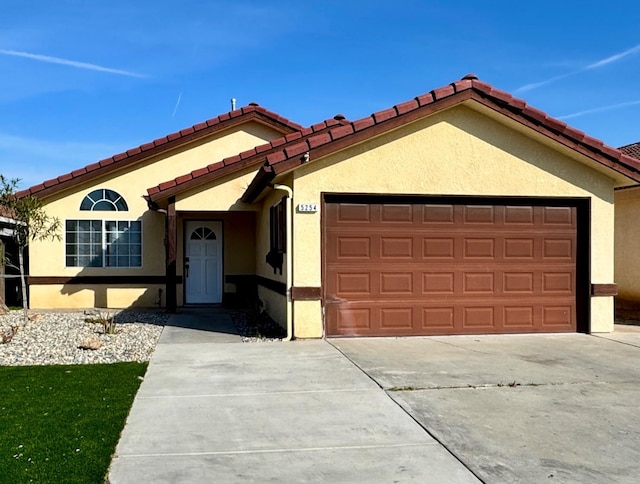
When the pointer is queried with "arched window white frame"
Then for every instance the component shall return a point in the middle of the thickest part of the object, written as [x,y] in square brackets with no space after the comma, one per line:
[104,200]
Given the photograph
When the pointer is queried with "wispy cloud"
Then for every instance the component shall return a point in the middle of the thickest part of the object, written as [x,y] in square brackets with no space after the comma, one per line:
[600,109]
[177,104]
[613,58]
[70,63]
[594,65]
[34,160]
[535,85]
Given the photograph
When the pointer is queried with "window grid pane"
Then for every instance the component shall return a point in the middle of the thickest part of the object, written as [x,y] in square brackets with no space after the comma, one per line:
[123,244]
[103,243]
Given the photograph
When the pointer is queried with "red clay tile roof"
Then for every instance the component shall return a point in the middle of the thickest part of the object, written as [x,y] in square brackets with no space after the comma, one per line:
[632,150]
[468,88]
[238,162]
[247,113]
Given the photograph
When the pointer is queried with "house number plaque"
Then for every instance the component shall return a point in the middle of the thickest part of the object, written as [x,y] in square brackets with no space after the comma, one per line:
[307,207]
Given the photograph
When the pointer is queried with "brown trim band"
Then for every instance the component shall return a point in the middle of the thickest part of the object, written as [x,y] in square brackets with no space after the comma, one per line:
[111,280]
[306,293]
[275,286]
[604,290]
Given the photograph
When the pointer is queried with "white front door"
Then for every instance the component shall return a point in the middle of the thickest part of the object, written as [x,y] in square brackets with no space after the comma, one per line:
[203,262]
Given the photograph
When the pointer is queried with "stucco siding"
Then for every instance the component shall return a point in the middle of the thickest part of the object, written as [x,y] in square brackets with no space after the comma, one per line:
[223,194]
[47,258]
[627,255]
[456,152]
[275,303]
[67,296]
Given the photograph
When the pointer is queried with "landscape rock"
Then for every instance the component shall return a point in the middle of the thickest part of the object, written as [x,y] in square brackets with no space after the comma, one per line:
[92,343]
[54,339]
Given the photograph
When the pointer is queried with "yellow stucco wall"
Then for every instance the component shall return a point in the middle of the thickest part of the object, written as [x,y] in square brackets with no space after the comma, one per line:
[224,194]
[97,296]
[274,303]
[456,152]
[47,258]
[627,235]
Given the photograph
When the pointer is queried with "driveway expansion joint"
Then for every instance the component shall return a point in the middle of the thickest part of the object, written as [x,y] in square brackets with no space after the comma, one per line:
[482,386]
[609,338]
[423,427]
[276,451]
[256,394]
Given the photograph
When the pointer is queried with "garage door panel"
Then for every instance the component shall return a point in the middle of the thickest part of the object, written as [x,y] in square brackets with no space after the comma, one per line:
[559,249]
[519,282]
[354,283]
[479,214]
[438,319]
[449,269]
[478,318]
[396,248]
[519,248]
[438,214]
[479,248]
[478,283]
[349,213]
[397,213]
[518,317]
[559,283]
[518,215]
[557,315]
[438,248]
[353,247]
[396,318]
[396,283]
[439,283]
[561,216]
[352,321]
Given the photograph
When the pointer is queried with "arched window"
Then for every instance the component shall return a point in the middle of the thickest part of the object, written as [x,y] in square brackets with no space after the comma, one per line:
[104,200]
[203,233]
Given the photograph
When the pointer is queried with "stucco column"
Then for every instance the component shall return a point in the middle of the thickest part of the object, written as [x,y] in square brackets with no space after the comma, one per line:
[171,236]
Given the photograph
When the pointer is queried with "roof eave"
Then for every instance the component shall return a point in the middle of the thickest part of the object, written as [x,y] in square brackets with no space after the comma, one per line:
[159,146]
[261,180]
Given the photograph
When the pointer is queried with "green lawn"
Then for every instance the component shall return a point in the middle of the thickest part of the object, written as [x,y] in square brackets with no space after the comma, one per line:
[62,423]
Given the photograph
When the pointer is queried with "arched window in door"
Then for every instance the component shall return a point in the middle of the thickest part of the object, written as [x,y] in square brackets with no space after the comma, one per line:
[203,233]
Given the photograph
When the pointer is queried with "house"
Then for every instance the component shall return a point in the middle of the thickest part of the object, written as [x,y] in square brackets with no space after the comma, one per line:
[627,234]
[461,211]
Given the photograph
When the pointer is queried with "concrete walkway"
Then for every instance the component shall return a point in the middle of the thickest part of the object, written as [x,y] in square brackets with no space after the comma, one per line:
[213,411]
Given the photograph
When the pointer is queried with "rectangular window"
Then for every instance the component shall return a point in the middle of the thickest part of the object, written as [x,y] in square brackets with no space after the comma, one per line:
[103,243]
[278,227]
[277,235]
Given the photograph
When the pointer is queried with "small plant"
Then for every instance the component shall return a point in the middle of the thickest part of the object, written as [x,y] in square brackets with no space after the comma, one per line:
[107,321]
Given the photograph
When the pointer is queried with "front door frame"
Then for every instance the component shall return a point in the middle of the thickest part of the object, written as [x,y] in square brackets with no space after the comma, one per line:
[185,240]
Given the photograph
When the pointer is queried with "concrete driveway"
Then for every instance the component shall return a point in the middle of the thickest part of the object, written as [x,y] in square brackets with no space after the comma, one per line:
[214,409]
[535,408]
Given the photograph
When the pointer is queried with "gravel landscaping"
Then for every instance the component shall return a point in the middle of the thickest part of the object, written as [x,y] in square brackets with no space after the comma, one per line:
[54,338]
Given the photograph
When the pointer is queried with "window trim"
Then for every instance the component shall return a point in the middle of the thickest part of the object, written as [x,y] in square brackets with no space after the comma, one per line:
[104,247]
[277,234]
[104,199]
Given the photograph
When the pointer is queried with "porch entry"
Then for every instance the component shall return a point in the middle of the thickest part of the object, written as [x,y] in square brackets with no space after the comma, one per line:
[203,262]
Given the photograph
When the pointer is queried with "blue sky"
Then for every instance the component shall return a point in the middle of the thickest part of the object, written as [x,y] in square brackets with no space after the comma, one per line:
[81,81]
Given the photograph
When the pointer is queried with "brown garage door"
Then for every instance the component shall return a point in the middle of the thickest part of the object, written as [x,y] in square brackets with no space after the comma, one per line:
[394,269]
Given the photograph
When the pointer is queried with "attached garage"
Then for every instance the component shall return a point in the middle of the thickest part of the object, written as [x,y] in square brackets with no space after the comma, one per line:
[463,211]
[398,266]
